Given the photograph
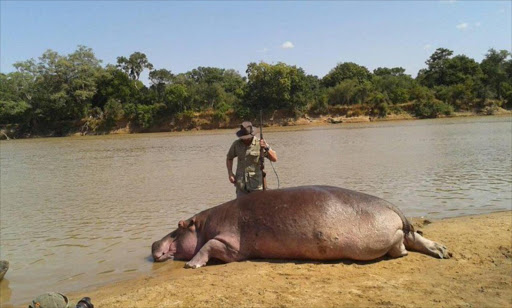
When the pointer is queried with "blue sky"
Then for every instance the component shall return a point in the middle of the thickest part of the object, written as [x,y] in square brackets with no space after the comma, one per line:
[316,35]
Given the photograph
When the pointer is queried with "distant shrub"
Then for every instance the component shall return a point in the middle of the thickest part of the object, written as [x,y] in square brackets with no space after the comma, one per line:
[220,116]
[431,108]
[320,105]
[130,111]
[147,114]
[242,111]
[14,112]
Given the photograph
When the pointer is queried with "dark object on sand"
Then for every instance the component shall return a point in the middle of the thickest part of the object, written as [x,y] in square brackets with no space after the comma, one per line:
[58,300]
[4,266]
[85,303]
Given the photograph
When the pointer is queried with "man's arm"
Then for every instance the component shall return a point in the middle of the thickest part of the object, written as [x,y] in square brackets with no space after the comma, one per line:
[229,165]
[271,154]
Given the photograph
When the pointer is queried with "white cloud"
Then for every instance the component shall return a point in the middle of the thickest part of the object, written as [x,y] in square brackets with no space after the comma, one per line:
[264,50]
[478,24]
[462,26]
[287,45]
[427,47]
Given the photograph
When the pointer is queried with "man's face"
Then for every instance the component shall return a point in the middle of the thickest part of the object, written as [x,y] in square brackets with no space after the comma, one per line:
[247,141]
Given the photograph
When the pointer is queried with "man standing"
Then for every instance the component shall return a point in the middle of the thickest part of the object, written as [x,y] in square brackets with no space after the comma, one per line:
[248,176]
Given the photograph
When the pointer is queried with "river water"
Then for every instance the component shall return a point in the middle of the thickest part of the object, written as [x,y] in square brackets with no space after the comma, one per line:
[78,212]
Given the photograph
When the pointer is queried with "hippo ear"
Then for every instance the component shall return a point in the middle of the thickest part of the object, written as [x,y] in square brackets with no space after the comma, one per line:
[181,224]
[186,224]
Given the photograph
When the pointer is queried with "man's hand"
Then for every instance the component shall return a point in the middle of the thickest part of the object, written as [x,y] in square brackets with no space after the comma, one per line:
[263,143]
[232,178]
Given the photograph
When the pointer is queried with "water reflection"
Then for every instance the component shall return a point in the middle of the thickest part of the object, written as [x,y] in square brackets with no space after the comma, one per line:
[80,211]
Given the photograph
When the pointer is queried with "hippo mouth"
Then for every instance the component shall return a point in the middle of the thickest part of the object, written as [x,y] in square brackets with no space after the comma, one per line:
[164,257]
[161,254]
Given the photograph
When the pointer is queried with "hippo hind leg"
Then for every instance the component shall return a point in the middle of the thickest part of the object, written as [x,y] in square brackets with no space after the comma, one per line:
[398,249]
[414,241]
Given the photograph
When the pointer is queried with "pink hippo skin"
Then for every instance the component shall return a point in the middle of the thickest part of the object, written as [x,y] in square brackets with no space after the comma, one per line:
[299,223]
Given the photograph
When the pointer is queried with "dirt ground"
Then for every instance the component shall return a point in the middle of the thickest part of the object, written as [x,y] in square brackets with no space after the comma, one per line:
[478,275]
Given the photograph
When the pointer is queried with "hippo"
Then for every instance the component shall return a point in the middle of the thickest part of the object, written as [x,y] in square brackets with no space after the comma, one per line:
[297,223]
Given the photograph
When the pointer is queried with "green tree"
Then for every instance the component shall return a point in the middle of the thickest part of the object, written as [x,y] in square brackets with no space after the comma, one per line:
[161,76]
[113,83]
[384,71]
[177,98]
[494,71]
[61,88]
[134,65]
[350,92]
[278,86]
[436,71]
[15,96]
[393,83]
[344,71]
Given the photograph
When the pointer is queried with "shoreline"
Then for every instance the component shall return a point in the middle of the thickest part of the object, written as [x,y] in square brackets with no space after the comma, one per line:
[478,275]
[305,121]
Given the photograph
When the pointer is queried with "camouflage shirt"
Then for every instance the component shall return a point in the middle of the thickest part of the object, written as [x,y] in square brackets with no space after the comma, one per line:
[248,172]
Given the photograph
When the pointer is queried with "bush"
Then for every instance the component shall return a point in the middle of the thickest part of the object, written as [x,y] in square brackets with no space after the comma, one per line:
[320,105]
[507,94]
[420,93]
[431,108]
[14,112]
[242,111]
[130,111]
[147,114]
[350,92]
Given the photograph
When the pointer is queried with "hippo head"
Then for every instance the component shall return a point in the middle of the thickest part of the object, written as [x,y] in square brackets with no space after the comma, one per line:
[180,244]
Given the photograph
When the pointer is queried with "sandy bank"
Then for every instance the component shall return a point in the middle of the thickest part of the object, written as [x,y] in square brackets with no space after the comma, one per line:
[478,275]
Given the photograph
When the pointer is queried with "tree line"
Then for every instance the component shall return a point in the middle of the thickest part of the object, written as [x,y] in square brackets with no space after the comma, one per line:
[59,93]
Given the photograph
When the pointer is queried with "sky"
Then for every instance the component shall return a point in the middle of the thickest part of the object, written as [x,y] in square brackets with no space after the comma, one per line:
[314,35]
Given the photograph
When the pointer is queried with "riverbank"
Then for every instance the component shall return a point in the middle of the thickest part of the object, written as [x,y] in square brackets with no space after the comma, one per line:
[478,275]
[336,115]
[207,121]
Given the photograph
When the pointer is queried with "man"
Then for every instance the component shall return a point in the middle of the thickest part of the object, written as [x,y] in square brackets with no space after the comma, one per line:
[247,148]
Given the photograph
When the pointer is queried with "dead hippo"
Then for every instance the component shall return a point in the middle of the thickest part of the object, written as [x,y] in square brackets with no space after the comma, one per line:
[300,223]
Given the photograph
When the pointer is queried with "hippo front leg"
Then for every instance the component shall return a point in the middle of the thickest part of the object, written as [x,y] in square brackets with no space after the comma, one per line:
[212,249]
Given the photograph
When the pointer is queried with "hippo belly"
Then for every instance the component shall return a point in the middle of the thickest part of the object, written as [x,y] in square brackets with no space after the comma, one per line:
[324,226]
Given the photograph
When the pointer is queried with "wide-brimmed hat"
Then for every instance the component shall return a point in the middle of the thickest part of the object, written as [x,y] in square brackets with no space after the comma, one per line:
[51,300]
[246,131]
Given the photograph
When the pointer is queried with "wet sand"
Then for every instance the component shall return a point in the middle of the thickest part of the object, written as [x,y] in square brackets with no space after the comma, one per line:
[478,275]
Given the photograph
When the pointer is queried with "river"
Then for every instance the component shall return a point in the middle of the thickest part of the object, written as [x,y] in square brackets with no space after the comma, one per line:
[79,212]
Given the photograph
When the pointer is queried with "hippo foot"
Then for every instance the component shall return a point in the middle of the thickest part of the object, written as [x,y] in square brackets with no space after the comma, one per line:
[192,265]
[440,251]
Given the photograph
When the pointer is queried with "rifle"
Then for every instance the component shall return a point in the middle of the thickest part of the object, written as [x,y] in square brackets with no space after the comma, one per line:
[262,155]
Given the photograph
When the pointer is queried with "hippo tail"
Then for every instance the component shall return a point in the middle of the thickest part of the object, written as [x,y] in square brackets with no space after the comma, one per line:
[407,226]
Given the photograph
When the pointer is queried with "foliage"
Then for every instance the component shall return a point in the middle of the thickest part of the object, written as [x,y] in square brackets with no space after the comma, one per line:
[349,92]
[147,115]
[344,71]
[494,68]
[431,108]
[134,65]
[279,86]
[13,112]
[56,94]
